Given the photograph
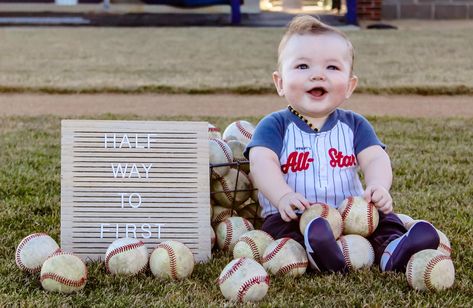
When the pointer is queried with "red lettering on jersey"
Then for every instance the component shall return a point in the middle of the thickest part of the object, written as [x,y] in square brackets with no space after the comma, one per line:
[337,159]
[297,161]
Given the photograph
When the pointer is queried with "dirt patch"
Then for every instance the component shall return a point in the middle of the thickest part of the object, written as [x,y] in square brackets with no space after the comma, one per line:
[222,105]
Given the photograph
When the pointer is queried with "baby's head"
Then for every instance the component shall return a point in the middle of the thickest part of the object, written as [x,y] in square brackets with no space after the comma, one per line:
[308,25]
[315,67]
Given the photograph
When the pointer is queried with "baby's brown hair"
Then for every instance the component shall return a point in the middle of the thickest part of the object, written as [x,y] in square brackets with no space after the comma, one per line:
[306,24]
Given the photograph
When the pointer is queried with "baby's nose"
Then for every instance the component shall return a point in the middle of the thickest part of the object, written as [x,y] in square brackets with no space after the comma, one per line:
[316,76]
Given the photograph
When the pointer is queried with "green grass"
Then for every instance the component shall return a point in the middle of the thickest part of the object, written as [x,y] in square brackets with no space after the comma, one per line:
[433,168]
[426,61]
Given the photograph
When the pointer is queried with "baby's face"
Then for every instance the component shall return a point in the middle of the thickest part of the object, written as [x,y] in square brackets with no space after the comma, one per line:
[314,74]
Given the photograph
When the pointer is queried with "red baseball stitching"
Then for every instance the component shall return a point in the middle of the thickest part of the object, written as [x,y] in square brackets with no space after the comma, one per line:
[370,218]
[226,189]
[445,247]
[325,210]
[287,268]
[222,145]
[347,208]
[222,216]
[249,283]
[276,249]
[214,129]
[172,259]
[243,131]
[430,266]
[248,225]
[20,247]
[231,271]
[64,280]
[253,247]
[346,251]
[120,250]
[229,235]
[410,265]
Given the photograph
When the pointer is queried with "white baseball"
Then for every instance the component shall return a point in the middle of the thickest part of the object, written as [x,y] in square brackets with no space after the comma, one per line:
[219,153]
[229,231]
[214,132]
[127,256]
[243,280]
[221,213]
[252,212]
[444,244]
[33,250]
[359,216]
[285,256]
[357,251]
[326,211]
[232,189]
[238,148]
[171,260]
[252,244]
[406,220]
[430,270]
[239,130]
[63,272]
[213,238]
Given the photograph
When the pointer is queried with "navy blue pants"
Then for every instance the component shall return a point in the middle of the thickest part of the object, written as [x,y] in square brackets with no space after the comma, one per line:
[389,228]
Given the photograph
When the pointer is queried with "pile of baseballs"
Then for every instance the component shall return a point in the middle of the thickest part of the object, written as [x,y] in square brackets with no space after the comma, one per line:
[59,271]
[354,220]
[65,272]
[430,269]
[231,188]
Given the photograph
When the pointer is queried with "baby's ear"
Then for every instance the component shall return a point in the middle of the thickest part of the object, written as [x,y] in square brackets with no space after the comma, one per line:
[277,79]
[352,83]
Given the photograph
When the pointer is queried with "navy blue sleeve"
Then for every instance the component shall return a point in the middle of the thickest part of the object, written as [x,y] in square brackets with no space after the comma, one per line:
[364,134]
[269,133]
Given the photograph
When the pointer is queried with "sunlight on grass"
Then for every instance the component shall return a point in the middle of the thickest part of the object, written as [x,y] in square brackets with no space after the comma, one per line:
[217,60]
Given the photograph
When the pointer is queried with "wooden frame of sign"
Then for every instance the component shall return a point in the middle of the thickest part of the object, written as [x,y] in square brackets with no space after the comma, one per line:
[143,179]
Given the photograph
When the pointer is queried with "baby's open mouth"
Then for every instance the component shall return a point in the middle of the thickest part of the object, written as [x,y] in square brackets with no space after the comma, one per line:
[318,91]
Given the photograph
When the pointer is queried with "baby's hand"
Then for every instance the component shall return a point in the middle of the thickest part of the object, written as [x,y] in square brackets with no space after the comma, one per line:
[380,197]
[289,202]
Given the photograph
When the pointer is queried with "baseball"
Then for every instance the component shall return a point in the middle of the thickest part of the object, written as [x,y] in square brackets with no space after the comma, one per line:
[252,212]
[406,220]
[232,189]
[127,256]
[171,260]
[444,245]
[430,270]
[219,153]
[213,238]
[33,250]
[359,216]
[221,213]
[357,251]
[238,148]
[239,130]
[285,256]
[214,132]
[252,244]
[326,211]
[243,280]
[229,231]
[63,272]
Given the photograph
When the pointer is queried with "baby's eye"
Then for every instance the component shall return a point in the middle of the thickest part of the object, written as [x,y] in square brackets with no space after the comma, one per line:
[302,66]
[332,67]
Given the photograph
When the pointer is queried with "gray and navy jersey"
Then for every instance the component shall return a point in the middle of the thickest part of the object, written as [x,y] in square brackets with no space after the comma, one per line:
[322,166]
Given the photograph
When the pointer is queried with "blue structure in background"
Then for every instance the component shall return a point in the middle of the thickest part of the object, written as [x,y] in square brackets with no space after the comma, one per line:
[234,4]
[350,17]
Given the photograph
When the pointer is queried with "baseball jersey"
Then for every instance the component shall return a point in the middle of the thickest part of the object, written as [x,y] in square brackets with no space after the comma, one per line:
[321,166]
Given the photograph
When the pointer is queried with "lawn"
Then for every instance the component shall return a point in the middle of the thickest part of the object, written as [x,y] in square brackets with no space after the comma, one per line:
[430,60]
[433,170]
